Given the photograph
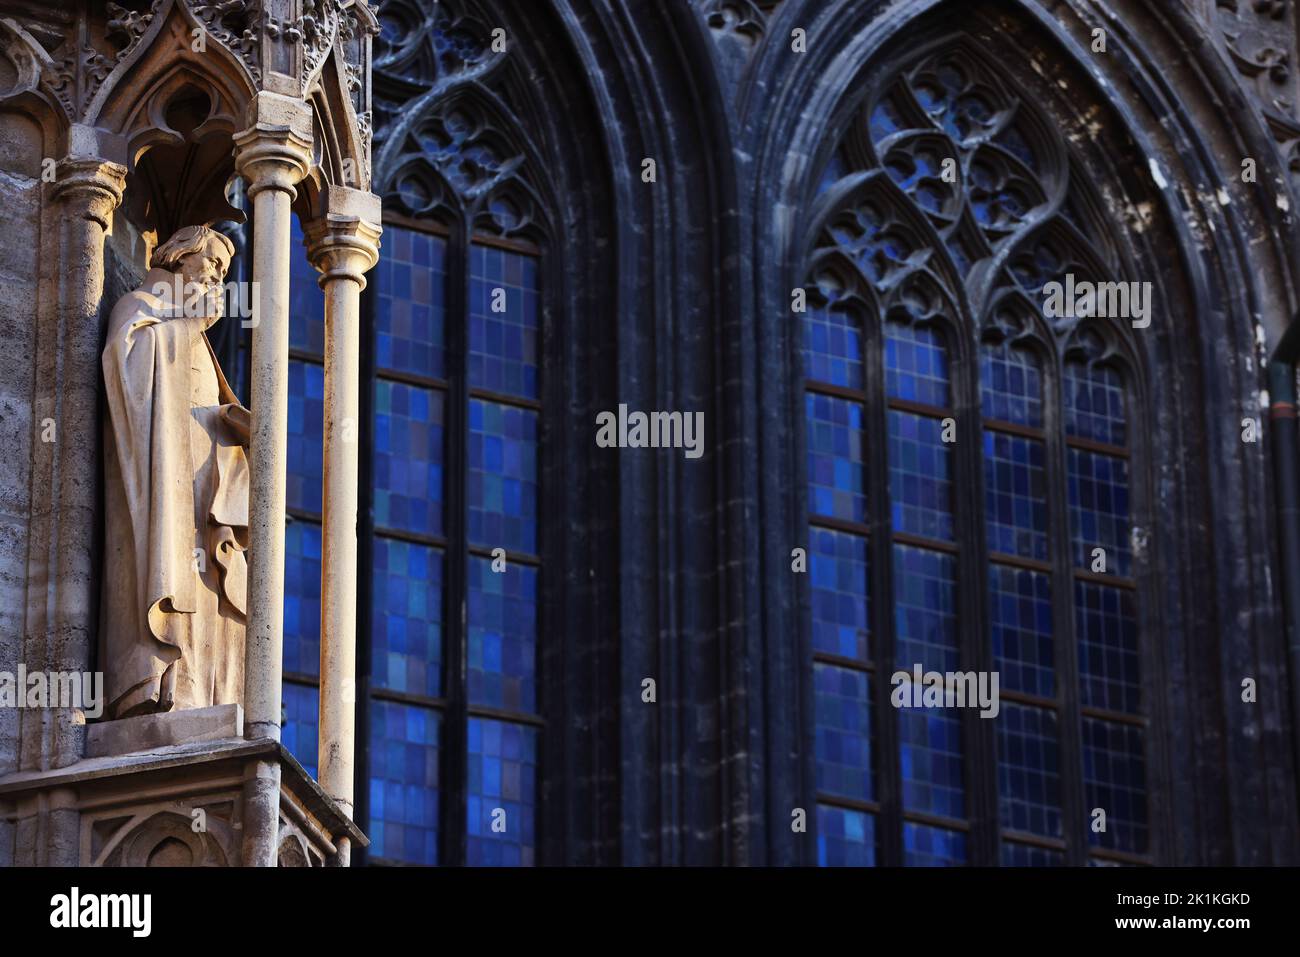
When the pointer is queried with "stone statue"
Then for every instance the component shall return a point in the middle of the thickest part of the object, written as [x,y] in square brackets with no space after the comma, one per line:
[176,491]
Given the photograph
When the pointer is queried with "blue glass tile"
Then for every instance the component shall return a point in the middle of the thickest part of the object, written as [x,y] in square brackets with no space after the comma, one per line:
[306,299]
[1025,855]
[1108,648]
[836,467]
[930,760]
[1099,509]
[841,608]
[1094,404]
[408,458]
[1020,618]
[925,846]
[832,347]
[411,318]
[916,364]
[502,476]
[502,666]
[302,554]
[843,714]
[1015,495]
[925,609]
[298,732]
[920,476]
[1114,774]
[845,838]
[1029,783]
[305,450]
[502,791]
[503,346]
[406,636]
[1011,386]
[404,743]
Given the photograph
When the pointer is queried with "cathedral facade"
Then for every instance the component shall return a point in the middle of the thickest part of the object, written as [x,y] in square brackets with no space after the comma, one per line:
[961,520]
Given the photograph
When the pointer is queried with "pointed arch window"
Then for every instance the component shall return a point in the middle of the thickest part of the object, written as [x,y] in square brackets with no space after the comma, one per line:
[973,487]
[449,619]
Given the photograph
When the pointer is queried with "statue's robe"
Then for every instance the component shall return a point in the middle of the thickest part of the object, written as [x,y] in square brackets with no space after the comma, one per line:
[176,498]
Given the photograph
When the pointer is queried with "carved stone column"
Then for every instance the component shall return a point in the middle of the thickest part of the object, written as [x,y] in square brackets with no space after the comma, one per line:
[61,611]
[343,244]
[272,155]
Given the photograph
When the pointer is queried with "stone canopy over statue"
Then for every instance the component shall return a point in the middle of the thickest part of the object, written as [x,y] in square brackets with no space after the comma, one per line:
[177,491]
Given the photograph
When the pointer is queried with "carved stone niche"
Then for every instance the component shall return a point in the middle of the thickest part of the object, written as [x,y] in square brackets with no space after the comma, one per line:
[168,791]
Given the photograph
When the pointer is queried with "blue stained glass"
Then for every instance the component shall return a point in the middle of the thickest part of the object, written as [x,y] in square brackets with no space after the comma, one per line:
[1099,509]
[843,708]
[925,846]
[503,346]
[408,458]
[832,348]
[840,604]
[406,636]
[411,318]
[1020,617]
[845,838]
[920,476]
[1015,494]
[502,790]
[1108,647]
[1029,783]
[835,171]
[305,449]
[836,473]
[1094,404]
[298,733]
[1026,855]
[306,299]
[1114,774]
[302,555]
[916,364]
[502,476]
[886,118]
[930,760]
[1011,386]
[925,609]
[404,743]
[502,666]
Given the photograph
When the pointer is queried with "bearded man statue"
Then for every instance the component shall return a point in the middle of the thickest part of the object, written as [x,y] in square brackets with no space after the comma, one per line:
[176,500]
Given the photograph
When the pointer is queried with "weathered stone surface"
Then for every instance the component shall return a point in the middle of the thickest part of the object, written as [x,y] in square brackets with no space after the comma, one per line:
[150,731]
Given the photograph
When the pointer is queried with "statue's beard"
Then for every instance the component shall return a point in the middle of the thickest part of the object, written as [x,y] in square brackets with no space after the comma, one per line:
[206,302]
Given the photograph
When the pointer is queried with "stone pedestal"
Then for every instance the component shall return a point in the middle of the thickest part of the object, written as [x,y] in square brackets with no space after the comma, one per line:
[169,791]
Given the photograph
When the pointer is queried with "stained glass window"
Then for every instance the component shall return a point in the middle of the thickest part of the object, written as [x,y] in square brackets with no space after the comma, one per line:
[450,549]
[1014,546]
[440,788]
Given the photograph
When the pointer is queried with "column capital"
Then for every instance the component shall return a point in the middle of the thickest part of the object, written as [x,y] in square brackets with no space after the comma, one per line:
[92,184]
[343,241]
[275,150]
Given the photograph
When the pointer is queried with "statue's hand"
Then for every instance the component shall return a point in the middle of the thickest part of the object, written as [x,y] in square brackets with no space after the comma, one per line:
[240,421]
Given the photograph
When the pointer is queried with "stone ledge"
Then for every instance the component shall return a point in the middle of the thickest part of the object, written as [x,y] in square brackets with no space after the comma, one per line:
[151,731]
[171,756]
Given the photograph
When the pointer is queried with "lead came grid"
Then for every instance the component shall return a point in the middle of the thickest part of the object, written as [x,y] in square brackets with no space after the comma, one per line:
[1029,782]
[837,564]
[843,711]
[832,348]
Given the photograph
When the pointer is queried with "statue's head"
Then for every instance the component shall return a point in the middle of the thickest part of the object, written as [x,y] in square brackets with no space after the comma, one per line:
[200,256]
